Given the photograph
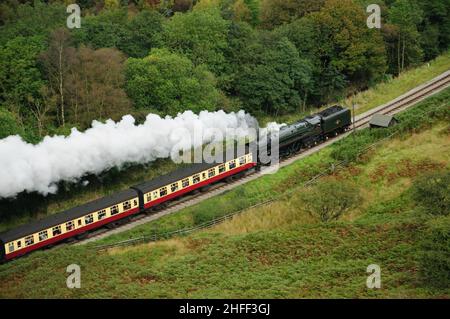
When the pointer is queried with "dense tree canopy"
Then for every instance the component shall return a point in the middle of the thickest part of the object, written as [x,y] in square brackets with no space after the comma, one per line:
[272,78]
[20,77]
[278,12]
[168,82]
[266,56]
[201,35]
[135,35]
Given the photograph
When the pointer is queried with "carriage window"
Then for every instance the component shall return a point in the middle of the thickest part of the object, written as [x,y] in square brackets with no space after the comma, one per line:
[11,247]
[89,219]
[174,187]
[185,182]
[56,230]
[196,178]
[163,191]
[232,164]
[135,203]
[43,235]
[149,197]
[222,168]
[70,225]
[203,175]
[19,244]
[212,172]
[101,214]
[155,194]
[114,210]
[126,205]
[79,222]
[29,240]
[242,160]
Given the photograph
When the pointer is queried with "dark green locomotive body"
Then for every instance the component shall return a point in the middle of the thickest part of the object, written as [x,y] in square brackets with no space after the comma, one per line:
[297,132]
[314,129]
[335,118]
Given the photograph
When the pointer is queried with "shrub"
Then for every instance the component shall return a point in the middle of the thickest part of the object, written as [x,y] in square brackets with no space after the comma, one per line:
[8,124]
[330,199]
[435,257]
[432,191]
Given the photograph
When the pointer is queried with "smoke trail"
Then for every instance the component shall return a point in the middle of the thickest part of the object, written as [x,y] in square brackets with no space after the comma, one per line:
[28,167]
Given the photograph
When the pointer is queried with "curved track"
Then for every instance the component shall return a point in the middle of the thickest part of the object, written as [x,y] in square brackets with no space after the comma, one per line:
[406,100]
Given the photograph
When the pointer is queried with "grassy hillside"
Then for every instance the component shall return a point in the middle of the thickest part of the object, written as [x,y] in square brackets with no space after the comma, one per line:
[278,251]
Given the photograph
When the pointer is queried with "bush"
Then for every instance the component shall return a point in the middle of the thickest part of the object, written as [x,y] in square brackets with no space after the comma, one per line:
[330,199]
[432,191]
[435,257]
[8,124]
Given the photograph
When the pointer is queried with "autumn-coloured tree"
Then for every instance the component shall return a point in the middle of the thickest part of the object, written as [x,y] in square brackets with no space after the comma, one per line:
[95,86]
[278,12]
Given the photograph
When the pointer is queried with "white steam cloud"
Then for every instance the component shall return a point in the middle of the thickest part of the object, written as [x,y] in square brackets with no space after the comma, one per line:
[28,167]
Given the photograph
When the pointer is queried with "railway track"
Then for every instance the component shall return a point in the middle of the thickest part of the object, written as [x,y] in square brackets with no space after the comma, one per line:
[406,100]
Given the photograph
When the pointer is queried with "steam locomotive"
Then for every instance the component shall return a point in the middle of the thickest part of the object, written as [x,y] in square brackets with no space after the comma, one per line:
[155,194]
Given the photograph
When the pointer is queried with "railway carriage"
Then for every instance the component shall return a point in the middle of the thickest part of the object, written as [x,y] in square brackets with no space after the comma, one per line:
[74,222]
[159,191]
[145,197]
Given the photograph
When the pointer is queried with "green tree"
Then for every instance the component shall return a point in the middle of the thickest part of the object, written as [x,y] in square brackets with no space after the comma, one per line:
[201,35]
[330,199]
[435,30]
[342,48]
[9,124]
[20,77]
[28,20]
[272,78]
[170,83]
[240,36]
[105,30]
[406,15]
[142,33]
[114,28]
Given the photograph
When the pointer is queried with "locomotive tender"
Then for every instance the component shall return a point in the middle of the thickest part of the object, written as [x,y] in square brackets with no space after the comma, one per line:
[155,194]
